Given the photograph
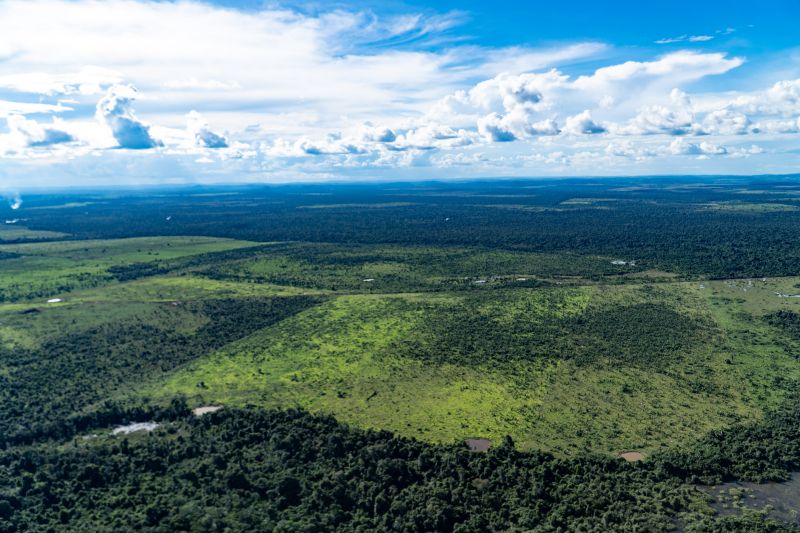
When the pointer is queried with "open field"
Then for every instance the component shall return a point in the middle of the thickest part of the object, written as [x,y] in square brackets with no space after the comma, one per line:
[39,270]
[427,367]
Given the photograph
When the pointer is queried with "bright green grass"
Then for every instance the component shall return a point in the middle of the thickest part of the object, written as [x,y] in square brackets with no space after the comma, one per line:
[763,358]
[336,358]
[345,358]
[183,287]
[52,268]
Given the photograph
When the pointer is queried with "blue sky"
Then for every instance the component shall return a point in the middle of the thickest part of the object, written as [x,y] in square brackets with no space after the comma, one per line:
[127,91]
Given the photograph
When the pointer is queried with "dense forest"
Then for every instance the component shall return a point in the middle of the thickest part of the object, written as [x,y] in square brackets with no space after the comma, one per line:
[287,471]
[721,228]
[641,334]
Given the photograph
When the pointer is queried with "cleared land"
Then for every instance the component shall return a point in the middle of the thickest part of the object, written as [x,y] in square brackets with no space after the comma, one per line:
[567,370]
[565,353]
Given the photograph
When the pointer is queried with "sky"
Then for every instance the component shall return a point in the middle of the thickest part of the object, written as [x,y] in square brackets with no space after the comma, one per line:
[126,92]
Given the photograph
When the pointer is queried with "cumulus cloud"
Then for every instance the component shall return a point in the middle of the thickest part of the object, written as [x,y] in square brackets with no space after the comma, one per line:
[628,150]
[681,146]
[115,111]
[674,119]
[432,136]
[203,136]
[547,126]
[513,107]
[783,98]
[505,93]
[333,144]
[493,129]
[727,122]
[582,124]
[376,134]
[394,101]
[32,134]
[780,126]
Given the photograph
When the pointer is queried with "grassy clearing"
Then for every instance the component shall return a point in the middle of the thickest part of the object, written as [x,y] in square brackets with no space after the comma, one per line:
[337,358]
[184,287]
[51,268]
[761,356]
[354,357]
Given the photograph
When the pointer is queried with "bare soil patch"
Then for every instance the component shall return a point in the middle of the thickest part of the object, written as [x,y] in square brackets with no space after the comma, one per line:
[200,411]
[632,455]
[478,444]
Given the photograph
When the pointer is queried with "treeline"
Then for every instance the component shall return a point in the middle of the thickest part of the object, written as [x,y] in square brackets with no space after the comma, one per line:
[288,471]
[658,222]
[67,375]
[146,269]
[788,321]
[35,289]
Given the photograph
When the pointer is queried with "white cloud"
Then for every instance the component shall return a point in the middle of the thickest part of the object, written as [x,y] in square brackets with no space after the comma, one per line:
[493,129]
[726,122]
[116,112]
[783,98]
[432,136]
[332,145]
[88,80]
[194,83]
[628,150]
[299,94]
[32,134]
[8,108]
[370,133]
[203,136]
[679,66]
[677,118]
[685,38]
[681,146]
[582,124]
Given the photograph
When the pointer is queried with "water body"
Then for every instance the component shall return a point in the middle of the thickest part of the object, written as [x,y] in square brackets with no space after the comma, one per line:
[782,500]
